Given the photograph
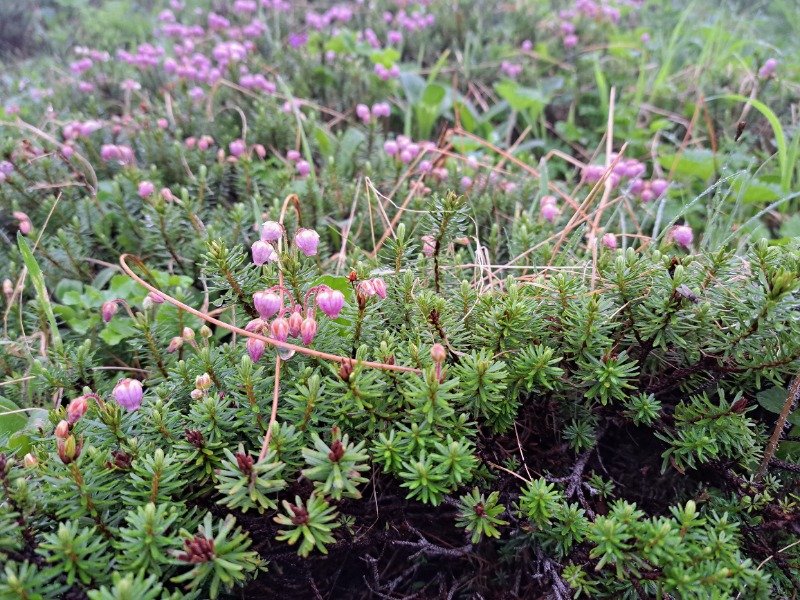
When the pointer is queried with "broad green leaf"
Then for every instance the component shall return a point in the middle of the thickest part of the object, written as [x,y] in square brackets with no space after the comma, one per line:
[116,330]
[692,162]
[773,399]
[10,423]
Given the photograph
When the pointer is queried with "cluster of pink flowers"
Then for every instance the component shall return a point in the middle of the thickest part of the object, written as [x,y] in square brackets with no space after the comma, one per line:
[386,74]
[381,109]
[278,5]
[81,66]
[300,323]
[371,37]
[632,170]
[121,154]
[76,129]
[594,10]
[339,13]
[256,82]
[305,240]
[511,70]
[406,150]
[146,56]
[203,144]
[416,21]
[302,166]
[242,7]
[227,52]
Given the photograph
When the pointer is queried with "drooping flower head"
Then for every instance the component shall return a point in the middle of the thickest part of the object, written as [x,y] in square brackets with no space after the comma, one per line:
[267,303]
[128,393]
[308,329]
[263,253]
[271,231]
[683,236]
[330,302]
[279,328]
[255,348]
[108,310]
[307,241]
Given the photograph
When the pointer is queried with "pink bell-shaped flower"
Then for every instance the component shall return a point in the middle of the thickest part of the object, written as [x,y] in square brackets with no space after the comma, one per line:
[128,393]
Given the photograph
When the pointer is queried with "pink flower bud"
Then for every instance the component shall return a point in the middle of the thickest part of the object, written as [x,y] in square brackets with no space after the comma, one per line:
[362,111]
[570,41]
[203,382]
[267,303]
[271,231]
[303,168]
[188,334]
[768,69]
[308,329]
[390,147]
[128,393]
[30,461]
[196,394]
[380,287]
[428,245]
[330,302]
[237,148]
[263,253]
[366,288]
[647,195]
[256,326]
[683,236]
[610,241]
[76,409]
[279,328]
[295,322]
[255,348]
[146,188]
[23,222]
[261,152]
[155,298]
[293,155]
[659,186]
[549,212]
[175,344]
[162,123]
[108,310]
[438,353]
[62,430]
[466,182]
[307,240]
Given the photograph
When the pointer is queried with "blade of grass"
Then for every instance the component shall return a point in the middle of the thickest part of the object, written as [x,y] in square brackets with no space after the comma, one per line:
[37,279]
[786,167]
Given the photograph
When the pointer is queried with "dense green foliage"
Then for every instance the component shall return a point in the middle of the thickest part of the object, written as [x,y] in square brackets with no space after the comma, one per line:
[555,371]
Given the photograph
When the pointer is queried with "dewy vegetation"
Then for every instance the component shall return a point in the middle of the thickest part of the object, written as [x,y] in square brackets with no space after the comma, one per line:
[399,300]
